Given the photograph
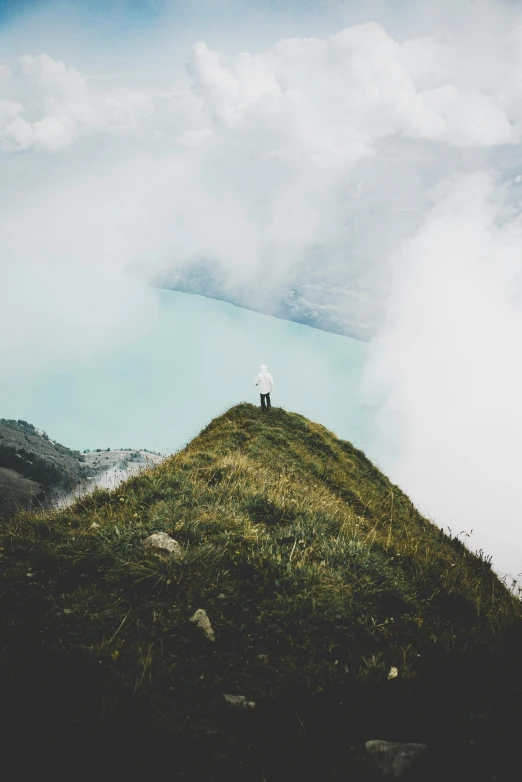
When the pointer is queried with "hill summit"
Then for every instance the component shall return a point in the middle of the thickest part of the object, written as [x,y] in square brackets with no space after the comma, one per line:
[256,608]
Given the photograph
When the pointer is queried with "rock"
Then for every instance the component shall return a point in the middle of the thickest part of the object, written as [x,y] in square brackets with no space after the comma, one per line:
[392,758]
[163,541]
[239,700]
[202,621]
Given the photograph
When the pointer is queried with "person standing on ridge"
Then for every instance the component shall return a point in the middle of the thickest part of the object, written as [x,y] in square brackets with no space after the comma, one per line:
[265,381]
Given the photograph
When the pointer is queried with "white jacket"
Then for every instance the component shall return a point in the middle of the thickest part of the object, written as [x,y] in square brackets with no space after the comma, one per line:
[264,380]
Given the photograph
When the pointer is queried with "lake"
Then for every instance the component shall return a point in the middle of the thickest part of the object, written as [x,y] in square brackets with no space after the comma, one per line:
[191,361]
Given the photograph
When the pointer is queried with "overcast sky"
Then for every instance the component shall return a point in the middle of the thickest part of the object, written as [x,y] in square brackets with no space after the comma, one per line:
[388,134]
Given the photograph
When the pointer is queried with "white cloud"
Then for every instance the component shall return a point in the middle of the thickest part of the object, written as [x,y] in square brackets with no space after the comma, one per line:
[362,81]
[447,371]
[47,106]
[358,82]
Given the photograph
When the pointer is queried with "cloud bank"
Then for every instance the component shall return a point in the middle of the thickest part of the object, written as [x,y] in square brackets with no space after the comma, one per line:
[333,96]
[367,175]
[446,367]
[312,157]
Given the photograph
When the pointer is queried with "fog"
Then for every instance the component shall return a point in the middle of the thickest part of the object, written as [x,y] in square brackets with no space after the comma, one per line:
[447,372]
[370,150]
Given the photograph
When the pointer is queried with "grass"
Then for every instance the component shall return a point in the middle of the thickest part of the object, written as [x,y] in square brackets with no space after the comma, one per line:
[318,576]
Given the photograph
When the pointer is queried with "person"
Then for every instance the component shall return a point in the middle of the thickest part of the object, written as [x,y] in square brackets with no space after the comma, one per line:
[265,381]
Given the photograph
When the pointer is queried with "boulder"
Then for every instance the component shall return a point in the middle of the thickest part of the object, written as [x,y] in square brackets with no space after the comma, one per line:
[238,700]
[162,541]
[392,758]
[202,621]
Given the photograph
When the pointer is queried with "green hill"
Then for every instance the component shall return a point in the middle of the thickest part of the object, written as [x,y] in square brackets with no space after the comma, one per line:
[319,577]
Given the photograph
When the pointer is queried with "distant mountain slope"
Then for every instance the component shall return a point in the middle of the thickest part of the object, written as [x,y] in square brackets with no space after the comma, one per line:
[336,609]
[32,455]
[340,308]
[35,470]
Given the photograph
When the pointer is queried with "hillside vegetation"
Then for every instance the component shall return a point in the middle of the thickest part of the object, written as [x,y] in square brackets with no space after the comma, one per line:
[37,472]
[318,576]
[32,466]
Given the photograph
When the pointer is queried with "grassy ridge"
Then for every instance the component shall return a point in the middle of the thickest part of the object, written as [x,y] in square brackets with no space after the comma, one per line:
[318,576]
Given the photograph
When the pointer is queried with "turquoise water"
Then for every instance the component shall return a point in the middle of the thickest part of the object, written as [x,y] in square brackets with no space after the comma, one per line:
[196,358]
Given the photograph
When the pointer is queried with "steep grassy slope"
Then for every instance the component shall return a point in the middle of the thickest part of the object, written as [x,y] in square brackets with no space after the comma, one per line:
[318,576]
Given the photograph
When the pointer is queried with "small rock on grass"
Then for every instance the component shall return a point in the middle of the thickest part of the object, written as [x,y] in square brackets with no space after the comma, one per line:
[392,758]
[238,700]
[163,541]
[202,621]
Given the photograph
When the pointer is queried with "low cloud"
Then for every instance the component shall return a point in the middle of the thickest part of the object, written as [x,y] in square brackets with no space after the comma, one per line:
[445,370]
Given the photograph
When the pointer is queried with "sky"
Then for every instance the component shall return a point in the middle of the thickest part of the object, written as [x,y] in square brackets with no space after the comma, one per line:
[382,139]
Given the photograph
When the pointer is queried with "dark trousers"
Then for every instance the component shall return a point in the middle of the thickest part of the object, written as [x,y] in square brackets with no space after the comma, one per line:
[267,398]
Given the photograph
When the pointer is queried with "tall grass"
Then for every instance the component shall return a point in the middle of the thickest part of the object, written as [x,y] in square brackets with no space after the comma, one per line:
[318,576]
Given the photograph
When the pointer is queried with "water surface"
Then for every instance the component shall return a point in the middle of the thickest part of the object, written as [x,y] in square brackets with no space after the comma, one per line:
[190,362]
